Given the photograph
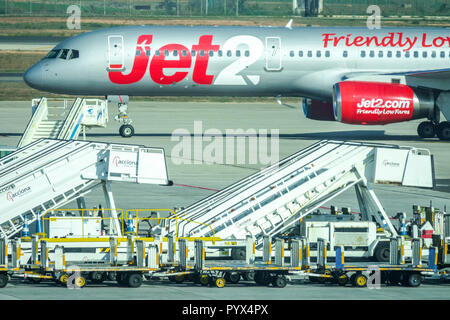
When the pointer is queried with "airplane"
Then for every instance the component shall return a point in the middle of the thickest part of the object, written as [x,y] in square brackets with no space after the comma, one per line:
[352,75]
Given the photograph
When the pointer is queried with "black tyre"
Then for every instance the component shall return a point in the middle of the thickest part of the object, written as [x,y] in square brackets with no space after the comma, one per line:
[126,131]
[97,277]
[426,129]
[112,276]
[342,280]
[3,280]
[249,276]
[238,254]
[443,131]
[279,281]
[382,252]
[262,278]
[135,280]
[233,278]
[414,280]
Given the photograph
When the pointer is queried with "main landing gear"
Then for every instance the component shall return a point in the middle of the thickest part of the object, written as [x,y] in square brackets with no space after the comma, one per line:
[429,129]
[126,130]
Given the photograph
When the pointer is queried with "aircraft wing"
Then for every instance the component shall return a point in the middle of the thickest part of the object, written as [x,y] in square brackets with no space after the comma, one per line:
[435,79]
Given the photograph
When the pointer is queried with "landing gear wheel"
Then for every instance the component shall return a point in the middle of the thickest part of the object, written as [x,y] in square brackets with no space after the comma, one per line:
[135,280]
[414,280]
[279,281]
[426,129]
[360,281]
[443,131]
[382,252]
[126,131]
[3,280]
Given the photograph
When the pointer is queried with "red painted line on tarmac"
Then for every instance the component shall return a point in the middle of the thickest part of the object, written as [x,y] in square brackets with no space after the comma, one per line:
[196,187]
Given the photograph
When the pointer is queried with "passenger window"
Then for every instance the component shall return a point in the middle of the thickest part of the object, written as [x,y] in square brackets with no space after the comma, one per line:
[424,54]
[247,53]
[220,53]
[138,53]
[389,54]
[157,53]
[380,54]
[398,54]
[202,53]
[291,53]
[433,54]
[416,54]
[211,53]
[184,53]
[310,54]
[193,52]
[318,53]
[166,53]
[238,53]
[175,53]
[372,53]
[327,53]
[407,54]
[442,54]
[363,54]
[345,53]
[229,53]
[300,54]
[147,53]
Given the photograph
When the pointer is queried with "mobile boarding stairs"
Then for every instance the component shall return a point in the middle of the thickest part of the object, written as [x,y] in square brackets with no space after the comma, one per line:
[272,201]
[48,174]
[63,120]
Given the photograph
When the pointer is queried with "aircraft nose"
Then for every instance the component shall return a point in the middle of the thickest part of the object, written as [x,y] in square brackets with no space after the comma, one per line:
[33,76]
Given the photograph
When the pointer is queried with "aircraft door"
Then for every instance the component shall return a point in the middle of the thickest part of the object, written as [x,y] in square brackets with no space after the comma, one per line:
[273,54]
[115,53]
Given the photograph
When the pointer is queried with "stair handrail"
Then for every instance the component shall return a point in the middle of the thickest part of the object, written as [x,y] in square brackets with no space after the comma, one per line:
[40,112]
[73,121]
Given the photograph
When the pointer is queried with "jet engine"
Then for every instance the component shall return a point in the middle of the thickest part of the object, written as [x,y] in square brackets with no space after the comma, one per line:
[359,102]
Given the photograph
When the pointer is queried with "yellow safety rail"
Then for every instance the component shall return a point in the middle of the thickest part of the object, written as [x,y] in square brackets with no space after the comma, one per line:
[82,217]
[174,217]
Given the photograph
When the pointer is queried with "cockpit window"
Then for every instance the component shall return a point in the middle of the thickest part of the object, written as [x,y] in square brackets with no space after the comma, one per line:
[65,54]
[53,54]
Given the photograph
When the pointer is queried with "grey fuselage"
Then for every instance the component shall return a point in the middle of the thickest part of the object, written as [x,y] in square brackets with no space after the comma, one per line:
[240,61]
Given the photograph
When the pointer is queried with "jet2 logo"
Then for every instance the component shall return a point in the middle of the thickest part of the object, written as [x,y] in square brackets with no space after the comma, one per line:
[162,67]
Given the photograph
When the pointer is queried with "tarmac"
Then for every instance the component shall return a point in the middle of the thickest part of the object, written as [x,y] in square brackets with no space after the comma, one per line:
[160,124]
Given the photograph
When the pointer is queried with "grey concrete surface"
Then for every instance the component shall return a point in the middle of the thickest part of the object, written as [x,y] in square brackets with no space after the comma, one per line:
[155,122]
[158,290]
